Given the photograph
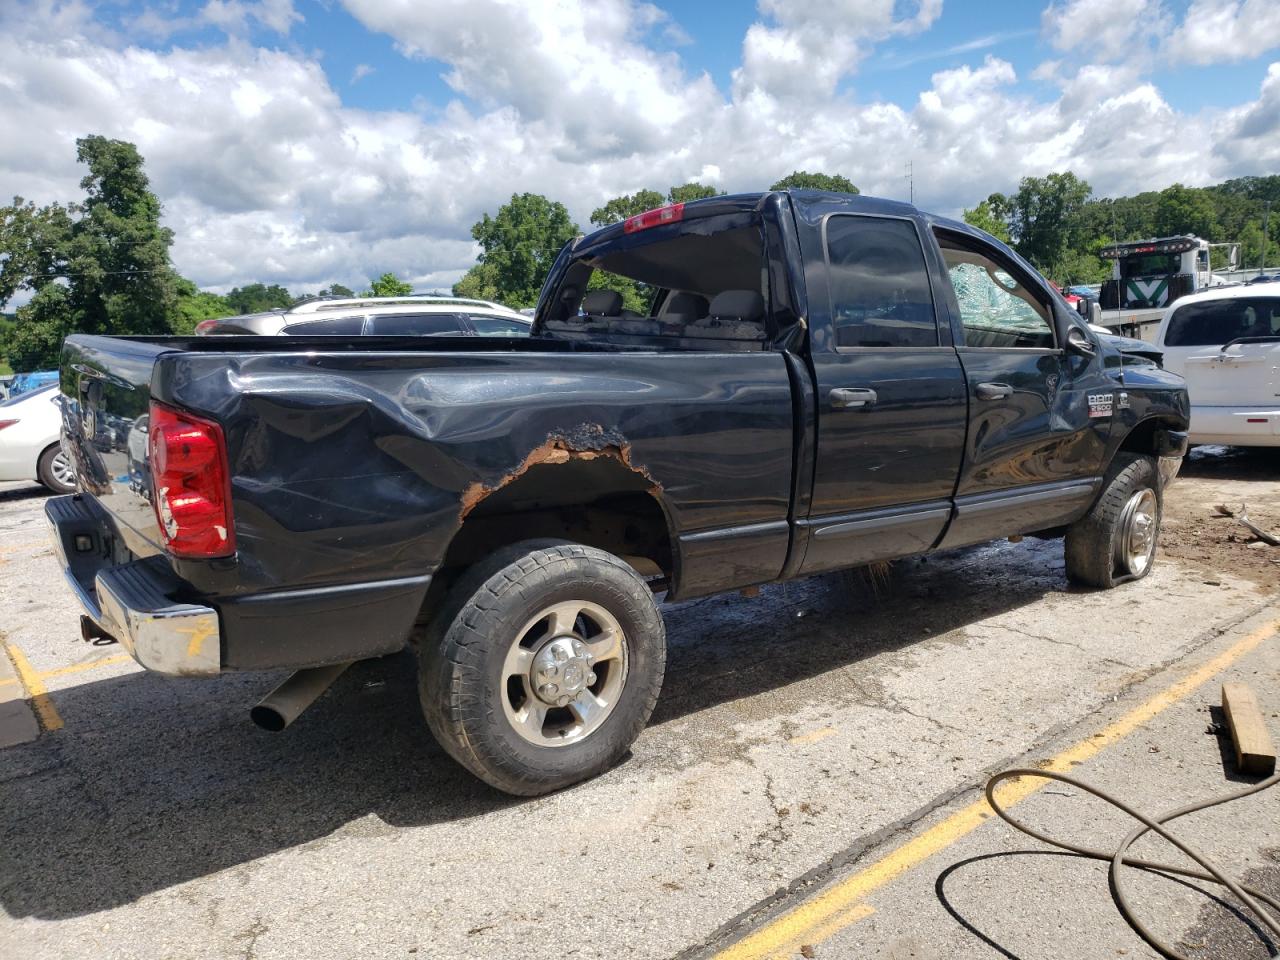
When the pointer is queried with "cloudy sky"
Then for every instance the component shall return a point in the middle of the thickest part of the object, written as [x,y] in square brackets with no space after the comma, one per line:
[309,141]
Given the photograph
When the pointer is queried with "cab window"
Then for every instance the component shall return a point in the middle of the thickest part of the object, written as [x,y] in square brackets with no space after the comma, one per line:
[879,284]
[997,309]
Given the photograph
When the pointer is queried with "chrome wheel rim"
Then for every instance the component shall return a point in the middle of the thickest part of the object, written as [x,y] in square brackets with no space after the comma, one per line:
[564,673]
[1137,543]
[63,472]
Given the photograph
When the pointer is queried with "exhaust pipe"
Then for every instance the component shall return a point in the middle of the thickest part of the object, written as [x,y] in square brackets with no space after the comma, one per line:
[285,703]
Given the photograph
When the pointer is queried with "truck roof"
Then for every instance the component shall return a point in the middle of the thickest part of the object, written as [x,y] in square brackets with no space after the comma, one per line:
[748,202]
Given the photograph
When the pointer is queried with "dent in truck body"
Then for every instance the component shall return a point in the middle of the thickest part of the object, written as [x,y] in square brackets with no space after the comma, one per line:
[350,467]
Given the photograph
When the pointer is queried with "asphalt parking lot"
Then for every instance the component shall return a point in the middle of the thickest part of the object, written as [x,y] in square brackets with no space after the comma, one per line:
[809,784]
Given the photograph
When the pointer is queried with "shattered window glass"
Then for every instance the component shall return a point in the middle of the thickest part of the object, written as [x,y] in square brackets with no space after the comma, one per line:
[996,310]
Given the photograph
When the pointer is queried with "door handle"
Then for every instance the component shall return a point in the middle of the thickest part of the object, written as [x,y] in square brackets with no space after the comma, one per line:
[843,398]
[994,391]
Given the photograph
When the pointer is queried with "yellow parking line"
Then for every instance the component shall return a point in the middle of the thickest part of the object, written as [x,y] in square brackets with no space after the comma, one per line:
[36,691]
[838,906]
[75,668]
[87,665]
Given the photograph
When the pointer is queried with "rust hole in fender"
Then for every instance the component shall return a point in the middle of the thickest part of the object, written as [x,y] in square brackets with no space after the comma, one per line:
[584,443]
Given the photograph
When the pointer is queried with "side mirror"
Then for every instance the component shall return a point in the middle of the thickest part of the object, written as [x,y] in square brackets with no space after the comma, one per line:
[1079,343]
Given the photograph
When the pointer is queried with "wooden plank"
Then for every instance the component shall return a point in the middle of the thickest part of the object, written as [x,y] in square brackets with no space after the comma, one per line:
[1254,751]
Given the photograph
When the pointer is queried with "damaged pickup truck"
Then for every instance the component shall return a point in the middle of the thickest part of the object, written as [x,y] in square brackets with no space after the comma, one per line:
[817,381]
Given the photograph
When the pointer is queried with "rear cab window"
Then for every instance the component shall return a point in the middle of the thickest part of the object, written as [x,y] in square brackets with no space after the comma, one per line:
[1217,322]
[706,281]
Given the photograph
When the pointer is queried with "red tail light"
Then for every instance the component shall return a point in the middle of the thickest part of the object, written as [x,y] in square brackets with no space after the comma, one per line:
[204,326]
[7,423]
[654,218]
[191,485]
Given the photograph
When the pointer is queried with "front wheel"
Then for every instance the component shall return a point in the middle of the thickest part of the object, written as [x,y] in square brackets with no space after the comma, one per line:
[1115,542]
[543,666]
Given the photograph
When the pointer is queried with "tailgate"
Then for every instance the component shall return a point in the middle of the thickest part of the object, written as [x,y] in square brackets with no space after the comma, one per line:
[106,388]
[1244,375]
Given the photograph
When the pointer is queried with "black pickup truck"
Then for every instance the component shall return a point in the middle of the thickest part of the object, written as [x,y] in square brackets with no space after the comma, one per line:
[820,381]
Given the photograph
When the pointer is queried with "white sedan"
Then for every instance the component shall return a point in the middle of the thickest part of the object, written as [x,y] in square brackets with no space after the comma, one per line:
[29,448]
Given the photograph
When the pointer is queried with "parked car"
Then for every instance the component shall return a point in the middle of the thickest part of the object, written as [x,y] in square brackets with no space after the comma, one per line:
[21,383]
[819,381]
[1226,343]
[29,448]
[416,316]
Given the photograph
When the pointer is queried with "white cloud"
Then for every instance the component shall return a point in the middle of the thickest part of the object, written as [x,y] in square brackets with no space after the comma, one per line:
[233,16]
[266,175]
[1220,31]
[1105,30]
[581,65]
[1138,31]
[811,44]
[361,71]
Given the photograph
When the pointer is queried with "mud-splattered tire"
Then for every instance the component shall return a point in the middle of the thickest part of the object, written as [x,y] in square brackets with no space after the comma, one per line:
[1115,542]
[517,635]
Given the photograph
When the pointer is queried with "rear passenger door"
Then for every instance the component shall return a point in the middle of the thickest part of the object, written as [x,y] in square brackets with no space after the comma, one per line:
[891,395]
[1035,443]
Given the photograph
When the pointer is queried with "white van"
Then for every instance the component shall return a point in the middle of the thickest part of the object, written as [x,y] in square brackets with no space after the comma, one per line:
[1226,343]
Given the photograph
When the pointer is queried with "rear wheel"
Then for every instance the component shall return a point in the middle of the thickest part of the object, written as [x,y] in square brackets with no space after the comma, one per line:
[1115,542]
[55,471]
[543,666]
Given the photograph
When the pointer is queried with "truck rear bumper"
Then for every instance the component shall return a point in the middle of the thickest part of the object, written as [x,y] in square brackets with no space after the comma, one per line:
[135,603]
[1236,426]
[131,601]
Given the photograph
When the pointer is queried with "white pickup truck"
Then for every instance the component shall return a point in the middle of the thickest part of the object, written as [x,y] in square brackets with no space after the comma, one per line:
[1226,344]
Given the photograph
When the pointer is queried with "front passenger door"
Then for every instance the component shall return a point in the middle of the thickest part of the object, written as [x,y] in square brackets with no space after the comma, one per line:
[1033,451]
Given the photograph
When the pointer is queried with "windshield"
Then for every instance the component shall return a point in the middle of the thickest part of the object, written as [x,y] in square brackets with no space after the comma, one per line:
[1149,265]
[1215,322]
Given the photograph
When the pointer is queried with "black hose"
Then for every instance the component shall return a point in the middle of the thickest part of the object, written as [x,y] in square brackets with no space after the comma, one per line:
[1212,873]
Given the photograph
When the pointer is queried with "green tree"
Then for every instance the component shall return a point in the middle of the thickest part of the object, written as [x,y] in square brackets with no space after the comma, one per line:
[33,244]
[195,305]
[388,285]
[803,180]
[258,298]
[1185,210]
[991,215]
[1044,217]
[336,290]
[619,208]
[100,266]
[688,192]
[478,283]
[518,246]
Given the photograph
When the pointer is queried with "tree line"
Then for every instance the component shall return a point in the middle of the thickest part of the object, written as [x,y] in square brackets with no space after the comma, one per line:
[102,264]
[1057,223]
